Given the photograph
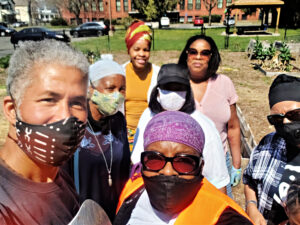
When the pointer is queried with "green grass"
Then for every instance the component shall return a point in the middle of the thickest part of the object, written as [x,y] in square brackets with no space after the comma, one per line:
[176,39]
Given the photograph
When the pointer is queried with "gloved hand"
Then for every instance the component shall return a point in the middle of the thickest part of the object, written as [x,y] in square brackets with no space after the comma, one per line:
[235,176]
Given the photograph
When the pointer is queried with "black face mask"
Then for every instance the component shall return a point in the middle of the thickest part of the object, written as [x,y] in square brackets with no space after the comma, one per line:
[290,132]
[171,194]
[50,144]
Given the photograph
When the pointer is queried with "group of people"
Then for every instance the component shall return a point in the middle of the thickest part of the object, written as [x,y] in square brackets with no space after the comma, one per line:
[149,144]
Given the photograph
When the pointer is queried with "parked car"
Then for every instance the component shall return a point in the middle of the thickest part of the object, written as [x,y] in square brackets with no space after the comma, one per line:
[37,34]
[5,31]
[3,24]
[198,21]
[231,21]
[90,29]
[20,24]
[164,21]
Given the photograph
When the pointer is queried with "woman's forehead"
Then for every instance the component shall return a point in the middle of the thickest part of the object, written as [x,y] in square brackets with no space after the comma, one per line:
[171,148]
[284,106]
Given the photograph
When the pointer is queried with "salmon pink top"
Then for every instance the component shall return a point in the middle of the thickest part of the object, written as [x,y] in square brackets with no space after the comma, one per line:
[215,104]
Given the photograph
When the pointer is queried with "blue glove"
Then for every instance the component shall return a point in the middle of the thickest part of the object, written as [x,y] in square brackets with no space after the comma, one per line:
[235,176]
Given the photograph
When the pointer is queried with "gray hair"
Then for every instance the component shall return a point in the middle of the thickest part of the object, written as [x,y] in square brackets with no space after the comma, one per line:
[30,53]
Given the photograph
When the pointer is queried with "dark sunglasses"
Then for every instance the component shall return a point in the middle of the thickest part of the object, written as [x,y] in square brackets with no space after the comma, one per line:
[277,119]
[204,53]
[184,164]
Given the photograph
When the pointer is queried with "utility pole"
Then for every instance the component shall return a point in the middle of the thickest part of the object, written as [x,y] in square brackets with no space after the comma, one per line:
[110,32]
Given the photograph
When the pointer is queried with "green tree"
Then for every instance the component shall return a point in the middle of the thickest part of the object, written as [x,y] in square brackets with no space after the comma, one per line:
[154,9]
[75,6]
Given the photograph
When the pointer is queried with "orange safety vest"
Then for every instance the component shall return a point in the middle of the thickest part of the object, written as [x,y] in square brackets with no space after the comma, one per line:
[206,208]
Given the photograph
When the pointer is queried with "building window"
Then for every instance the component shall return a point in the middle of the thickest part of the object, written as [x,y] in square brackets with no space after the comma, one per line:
[86,6]
[118,5]
[198,4]
[181,19]
[190,4]
[190,19]
[125,5]
[220,4]
[182,4]
[228,2]
[132,5]
[94,8]
[100,2]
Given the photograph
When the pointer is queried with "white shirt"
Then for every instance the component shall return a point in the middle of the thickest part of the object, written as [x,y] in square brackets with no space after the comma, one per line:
[144,214]
[214,170]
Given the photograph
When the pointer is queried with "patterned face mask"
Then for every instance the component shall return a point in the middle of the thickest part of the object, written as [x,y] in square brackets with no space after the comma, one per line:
[107,104]
[50,144]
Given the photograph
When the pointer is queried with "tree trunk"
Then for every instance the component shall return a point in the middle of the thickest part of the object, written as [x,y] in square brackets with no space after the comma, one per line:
[29,12]
[77,19]
[209,15]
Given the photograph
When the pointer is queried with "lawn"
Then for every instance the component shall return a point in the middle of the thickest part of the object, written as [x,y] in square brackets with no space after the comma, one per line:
[175,40]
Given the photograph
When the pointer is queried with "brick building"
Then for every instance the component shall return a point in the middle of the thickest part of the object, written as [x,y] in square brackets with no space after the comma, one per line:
[185,11]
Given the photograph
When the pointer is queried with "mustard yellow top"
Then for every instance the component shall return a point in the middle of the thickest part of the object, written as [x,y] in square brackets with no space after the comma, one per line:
[137,86]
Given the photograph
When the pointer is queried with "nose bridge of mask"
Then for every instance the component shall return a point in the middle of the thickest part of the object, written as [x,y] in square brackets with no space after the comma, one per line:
[168,93]
[171,96]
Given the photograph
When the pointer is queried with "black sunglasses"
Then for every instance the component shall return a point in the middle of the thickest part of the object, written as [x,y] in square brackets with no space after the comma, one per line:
[204,53]
[184,164]
[277,119]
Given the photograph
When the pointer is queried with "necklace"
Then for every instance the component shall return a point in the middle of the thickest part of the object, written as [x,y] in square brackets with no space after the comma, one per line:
[102,153]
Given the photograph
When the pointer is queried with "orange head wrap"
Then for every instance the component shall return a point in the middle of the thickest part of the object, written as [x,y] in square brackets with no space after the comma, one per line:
[138,29]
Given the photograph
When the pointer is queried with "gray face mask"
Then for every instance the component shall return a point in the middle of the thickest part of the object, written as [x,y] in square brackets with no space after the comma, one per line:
[50,144]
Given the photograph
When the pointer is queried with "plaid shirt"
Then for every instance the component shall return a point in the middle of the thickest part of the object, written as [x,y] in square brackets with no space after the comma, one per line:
[264,171]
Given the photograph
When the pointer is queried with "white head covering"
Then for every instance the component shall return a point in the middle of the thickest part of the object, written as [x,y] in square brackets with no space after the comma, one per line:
[104,68]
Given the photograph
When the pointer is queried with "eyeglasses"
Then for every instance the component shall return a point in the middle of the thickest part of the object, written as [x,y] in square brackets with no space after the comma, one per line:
[184,164]
[204,54]
[277,119]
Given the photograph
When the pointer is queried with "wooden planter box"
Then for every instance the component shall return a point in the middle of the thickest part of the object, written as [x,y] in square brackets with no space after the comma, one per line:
[271,74]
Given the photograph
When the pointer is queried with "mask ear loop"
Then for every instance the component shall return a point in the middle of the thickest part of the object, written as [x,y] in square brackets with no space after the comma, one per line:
[14,102]
[17,118]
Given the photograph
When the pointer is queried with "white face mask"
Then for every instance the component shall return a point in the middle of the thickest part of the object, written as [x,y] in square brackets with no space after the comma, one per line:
[171,100]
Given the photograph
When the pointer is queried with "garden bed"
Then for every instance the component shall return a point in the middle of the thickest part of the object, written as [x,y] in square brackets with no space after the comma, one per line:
[295,72]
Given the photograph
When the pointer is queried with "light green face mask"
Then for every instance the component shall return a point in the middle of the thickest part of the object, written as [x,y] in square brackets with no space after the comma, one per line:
[107,104]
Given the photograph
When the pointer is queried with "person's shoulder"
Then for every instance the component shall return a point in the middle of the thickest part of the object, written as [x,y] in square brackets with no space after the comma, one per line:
[231,217]
[119,116]
[271,140]
[155,68]
[202,119]
[146,115]
[223,77]
[125,64]
[271,145]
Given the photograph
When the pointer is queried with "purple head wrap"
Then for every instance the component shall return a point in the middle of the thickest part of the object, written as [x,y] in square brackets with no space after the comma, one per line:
[177,127]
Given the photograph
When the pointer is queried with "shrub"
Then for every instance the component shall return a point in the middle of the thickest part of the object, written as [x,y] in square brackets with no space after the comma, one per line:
[205,19]
[91,55]
[126,21]
[285,54]
[214,18]
[58,22]
[4,62]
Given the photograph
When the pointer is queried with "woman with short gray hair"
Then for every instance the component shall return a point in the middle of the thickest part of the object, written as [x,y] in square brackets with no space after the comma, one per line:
[46,108]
